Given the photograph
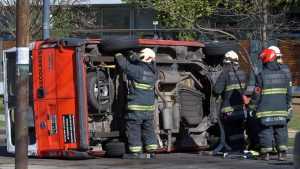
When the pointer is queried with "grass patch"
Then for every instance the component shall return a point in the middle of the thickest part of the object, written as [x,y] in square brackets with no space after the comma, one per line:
[291,142]
[295,122]
[1,105]
[2,124]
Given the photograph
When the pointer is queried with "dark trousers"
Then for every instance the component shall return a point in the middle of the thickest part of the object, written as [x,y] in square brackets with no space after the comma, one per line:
[252,130]
[139,129]
[278,132]
[234,133]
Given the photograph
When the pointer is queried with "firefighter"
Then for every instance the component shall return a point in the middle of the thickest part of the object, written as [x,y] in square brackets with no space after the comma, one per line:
[269,103]
[230,85]
[286,69]
[141,75]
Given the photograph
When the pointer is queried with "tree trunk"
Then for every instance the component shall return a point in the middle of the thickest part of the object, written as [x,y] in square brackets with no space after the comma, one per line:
[264,24]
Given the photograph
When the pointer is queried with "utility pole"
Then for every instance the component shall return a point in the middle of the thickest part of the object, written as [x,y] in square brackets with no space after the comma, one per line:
[22,85]
[46,19]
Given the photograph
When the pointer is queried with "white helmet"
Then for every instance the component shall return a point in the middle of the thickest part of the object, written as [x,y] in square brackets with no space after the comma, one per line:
[231,56]
[147,55]
[277,50]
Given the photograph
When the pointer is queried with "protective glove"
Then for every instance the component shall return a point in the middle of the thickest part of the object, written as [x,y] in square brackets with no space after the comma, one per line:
[134,56]
[118,54]
[290,113]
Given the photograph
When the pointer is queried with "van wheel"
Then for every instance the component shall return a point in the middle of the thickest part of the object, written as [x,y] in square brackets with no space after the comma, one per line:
[219,48]
[118,44]
[115,149]
[99,98]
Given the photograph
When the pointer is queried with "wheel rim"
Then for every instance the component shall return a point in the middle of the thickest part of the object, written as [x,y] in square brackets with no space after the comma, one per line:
[103,92]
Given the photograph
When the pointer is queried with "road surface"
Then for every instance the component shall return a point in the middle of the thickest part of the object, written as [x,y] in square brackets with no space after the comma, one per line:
[163,161]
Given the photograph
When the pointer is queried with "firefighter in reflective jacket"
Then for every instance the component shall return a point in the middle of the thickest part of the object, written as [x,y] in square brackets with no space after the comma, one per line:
[230,85]
[287,70]
[269,102]
[141,74]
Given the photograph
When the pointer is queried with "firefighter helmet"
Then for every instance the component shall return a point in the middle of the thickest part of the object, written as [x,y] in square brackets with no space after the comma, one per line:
[267,55]
[277,50]
[231,57]
[147,55]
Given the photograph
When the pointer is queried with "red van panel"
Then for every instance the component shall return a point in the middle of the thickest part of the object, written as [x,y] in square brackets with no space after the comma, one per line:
[56,91]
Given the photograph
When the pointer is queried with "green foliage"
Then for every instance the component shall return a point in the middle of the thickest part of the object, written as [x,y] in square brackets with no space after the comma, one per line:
[61,20]
[187,13]
[179,13]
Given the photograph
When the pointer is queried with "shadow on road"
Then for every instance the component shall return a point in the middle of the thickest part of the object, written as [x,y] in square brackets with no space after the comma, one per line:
[282,163]
[4,153]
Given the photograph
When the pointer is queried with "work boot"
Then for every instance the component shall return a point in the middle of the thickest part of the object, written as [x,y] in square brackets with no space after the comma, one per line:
[265,156]
[135,156]
[281,156]
[152,155]
[274,151]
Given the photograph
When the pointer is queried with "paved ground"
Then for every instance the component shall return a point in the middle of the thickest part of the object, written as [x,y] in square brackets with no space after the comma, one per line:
[166,161]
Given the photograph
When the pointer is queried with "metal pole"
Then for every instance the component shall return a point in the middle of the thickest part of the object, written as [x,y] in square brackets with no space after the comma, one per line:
[46,19]
[22,85]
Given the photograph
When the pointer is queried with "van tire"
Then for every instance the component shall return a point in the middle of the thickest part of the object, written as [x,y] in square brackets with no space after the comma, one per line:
[115,149]
[92,89]
[219,48]
[119,44]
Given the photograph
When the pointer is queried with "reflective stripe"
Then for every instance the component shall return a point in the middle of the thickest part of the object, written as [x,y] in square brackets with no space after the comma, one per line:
[271,113]
[236,137]
[140,107]
[135,149]
[235,86]
[254,153]
[266,150]
[282,148]
[275,91]
[232,108]
[151,147]
[142,86]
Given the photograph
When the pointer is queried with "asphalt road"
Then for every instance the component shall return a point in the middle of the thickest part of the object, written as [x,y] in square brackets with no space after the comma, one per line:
[166,161]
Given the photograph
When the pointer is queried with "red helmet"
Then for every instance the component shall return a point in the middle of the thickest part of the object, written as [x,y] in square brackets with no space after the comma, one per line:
[267,55]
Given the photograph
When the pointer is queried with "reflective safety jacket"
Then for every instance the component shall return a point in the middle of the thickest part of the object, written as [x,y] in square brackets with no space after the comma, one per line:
[287,71]
[142,78]
[231,84]
[271,95]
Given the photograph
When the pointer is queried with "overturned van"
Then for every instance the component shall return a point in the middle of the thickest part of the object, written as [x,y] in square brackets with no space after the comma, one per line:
[77,95]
